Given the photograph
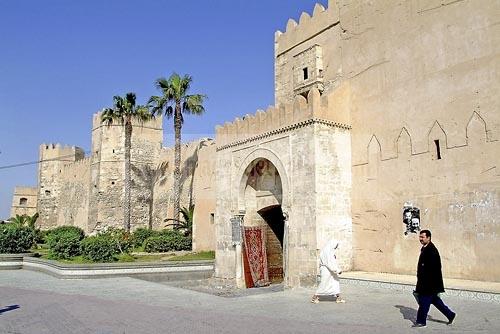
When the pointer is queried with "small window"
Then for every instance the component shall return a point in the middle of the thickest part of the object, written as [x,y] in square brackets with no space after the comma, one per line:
[438,149]
[212,218]
[47,192]
[305,72]
[113,150]
[23,201]
[112,182]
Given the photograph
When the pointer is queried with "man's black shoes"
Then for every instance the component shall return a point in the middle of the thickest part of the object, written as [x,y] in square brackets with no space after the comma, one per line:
[450,319]
[417,325]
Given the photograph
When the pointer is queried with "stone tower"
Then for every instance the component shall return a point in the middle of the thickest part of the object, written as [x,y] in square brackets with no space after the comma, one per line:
[107,171]
[53,158]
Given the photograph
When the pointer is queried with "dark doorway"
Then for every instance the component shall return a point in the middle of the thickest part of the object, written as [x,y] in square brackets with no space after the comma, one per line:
[273,215]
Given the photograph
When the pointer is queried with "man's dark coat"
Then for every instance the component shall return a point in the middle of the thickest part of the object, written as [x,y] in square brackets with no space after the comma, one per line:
[429,276]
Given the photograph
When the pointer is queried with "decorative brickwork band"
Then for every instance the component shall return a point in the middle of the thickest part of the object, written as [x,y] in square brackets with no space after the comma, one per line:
[285,129]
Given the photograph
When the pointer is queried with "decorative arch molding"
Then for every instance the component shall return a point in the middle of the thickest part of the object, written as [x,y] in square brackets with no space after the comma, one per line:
[436,132]
[373,148]
[404,139]
[240,178]
[476,128]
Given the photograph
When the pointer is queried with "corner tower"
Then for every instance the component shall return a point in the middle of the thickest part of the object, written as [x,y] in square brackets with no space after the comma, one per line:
[108,171]
[53,157]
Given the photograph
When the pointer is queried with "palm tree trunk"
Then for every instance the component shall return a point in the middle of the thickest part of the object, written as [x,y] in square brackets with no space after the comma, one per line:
[126,200]
[177,159]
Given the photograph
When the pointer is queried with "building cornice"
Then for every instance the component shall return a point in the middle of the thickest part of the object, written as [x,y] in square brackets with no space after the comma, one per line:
[284,129]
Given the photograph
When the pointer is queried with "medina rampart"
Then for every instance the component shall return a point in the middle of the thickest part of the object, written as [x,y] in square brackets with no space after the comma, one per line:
[87,191]
[386,121]
[408,121]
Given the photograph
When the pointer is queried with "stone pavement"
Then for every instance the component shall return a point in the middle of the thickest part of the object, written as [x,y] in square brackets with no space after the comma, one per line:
[32,302]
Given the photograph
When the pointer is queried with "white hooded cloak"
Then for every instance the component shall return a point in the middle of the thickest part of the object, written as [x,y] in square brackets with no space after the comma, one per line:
[329,269]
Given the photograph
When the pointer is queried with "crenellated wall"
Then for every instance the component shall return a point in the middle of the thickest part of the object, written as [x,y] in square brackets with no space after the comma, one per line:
[411,77]
[307,145]
[457,190]
[284,118]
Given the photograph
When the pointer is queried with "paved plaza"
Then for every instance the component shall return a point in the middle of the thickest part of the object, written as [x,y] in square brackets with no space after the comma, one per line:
[32,302]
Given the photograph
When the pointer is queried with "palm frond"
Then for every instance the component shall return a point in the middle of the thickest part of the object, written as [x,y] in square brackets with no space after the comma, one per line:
[193,104]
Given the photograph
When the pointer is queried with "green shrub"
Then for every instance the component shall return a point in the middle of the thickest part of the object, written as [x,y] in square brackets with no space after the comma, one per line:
[15,238]
[141,234]
[120,237]
[100,248]
[64,242]
[63,229]
[166,241]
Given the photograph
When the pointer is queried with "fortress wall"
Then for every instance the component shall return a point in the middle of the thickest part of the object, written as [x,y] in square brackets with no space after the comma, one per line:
[107,175]
[53,159]
[458,197]
[74,194]
[404,75]
[419,72]
[204,188]
[274,120]
[197,184]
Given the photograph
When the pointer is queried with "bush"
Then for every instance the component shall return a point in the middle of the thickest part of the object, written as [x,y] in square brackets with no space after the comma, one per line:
[120,237]
[141,234]
[64,242]
[166,241]
[16,239]
[100,248]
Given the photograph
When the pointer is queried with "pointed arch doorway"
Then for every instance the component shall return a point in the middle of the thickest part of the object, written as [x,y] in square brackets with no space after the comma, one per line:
[263,225]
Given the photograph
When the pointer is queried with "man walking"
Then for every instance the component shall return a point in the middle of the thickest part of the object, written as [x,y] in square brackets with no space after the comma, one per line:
[429,281]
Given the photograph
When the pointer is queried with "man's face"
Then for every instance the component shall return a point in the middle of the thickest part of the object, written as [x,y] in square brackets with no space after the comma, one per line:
[424,239]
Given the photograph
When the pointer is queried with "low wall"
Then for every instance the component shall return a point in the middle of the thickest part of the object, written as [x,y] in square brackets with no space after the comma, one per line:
[158,272]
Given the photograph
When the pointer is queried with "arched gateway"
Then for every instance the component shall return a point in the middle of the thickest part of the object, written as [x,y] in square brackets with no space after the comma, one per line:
[283,181]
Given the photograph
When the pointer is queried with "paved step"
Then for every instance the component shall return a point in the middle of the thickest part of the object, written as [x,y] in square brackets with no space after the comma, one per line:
[467,289]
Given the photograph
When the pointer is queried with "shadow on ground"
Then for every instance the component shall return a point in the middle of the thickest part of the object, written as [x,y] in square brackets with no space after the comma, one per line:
[411,314]
[8,308]
[222,288]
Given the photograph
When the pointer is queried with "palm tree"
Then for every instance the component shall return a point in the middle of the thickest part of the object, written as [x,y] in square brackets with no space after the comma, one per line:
[187,224]
[124,111]
[174,102]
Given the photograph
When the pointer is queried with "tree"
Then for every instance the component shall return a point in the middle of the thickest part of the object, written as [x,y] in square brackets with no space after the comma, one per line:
[25,220]
[187,223]
[124,111]
[173,103]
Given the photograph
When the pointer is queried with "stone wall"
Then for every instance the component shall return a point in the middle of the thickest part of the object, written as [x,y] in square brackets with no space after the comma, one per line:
[88,192]
[197,184]
[73,203]
[53,158]
[415,79]
[24,201]
[107,172]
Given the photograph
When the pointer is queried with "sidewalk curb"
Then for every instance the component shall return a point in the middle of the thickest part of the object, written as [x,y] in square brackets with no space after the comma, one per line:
[455,292]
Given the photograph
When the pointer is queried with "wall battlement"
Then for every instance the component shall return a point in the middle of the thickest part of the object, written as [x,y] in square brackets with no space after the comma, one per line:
[57,150]
[302,109]
[154,123]
[77,168]
[308,27]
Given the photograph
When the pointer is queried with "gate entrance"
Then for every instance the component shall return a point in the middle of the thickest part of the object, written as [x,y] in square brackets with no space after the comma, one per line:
[263,229]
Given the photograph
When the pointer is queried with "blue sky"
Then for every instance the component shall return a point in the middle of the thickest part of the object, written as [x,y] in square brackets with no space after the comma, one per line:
[61,61]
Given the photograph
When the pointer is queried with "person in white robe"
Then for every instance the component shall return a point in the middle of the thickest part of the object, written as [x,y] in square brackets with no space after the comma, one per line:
[329,270]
